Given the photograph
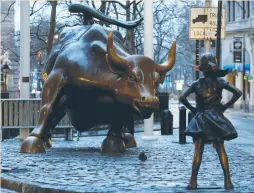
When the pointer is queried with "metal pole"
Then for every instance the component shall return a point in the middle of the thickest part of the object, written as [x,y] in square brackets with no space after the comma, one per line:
[207,42]
[244,95]
[218,44]
[5,82]
[24,56]
[197,59]
[148,51]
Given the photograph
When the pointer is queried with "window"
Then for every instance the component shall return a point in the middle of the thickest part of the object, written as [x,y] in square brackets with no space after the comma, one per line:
[243,10]
[252,7]
[247,13]
[228,11]
[233,11]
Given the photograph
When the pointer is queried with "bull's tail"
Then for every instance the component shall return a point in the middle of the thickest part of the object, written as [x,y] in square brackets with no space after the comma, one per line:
[50,62]
[90,12]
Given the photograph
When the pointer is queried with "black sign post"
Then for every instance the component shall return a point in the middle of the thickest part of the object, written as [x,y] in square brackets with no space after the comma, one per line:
[218,34]
[197,59]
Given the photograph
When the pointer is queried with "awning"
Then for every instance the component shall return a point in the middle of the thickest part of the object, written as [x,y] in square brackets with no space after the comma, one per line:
[229,64]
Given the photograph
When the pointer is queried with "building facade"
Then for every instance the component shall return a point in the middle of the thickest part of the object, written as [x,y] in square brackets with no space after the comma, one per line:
[238,50]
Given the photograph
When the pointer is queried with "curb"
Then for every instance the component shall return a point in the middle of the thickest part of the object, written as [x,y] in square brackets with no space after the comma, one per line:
[19,186]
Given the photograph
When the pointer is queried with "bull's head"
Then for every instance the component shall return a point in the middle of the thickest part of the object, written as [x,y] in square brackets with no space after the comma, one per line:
[139,77]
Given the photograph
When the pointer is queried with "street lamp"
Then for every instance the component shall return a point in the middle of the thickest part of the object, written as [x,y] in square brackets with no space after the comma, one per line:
[56,36]
[5,69]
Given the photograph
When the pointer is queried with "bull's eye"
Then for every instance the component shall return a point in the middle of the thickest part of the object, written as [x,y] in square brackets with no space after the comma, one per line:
[133,78]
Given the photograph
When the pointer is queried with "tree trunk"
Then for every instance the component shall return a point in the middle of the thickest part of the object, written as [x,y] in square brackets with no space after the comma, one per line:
[103,10]
[52,26]
[129,33]
[116,12]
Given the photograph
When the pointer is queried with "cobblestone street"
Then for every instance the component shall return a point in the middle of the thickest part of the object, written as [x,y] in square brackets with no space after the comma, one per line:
[78,166]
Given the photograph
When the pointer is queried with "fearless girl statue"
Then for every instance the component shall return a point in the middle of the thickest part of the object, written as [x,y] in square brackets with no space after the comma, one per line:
[209,124]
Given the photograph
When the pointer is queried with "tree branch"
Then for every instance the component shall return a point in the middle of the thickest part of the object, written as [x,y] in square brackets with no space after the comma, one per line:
[8,11]
[32,9]
[66,25]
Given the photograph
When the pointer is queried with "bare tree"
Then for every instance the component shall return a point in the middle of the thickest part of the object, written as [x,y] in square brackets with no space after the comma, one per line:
[52,26]
[171,22]
[8,11]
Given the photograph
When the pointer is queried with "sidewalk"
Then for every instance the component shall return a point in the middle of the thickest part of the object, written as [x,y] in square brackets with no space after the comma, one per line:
[78,166]
[244,124]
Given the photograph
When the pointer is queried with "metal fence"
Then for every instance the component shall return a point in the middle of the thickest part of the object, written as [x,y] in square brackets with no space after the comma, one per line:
[24,113]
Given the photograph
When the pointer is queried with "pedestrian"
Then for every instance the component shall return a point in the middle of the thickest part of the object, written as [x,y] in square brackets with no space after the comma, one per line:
[209,124]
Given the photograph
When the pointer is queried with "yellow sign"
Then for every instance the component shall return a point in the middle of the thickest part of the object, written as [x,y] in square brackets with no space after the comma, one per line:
[203,23]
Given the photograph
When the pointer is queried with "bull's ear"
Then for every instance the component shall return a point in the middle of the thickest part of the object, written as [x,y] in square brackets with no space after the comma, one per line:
[113,69]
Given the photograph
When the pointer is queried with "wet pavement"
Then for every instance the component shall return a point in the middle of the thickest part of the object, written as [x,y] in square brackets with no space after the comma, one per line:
[78,166]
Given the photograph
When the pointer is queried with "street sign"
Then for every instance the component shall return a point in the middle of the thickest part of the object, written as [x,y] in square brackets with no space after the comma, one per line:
[248,78]
[204,34]
[237,49]
[179,86]
[203,23]
[179,81]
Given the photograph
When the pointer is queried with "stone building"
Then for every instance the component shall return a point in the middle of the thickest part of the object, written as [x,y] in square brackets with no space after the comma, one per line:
[239,40]
[8,43]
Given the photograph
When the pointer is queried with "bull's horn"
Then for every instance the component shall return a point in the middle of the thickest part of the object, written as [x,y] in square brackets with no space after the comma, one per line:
[90,12]
[113,58]
[169,64]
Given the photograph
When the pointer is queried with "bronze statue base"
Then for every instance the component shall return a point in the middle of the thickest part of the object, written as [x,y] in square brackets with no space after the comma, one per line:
[32,144]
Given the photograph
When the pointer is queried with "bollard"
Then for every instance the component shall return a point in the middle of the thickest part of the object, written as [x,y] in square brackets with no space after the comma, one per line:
[182,124]
[78,135]
[68,134]
[167,123]
[190,116]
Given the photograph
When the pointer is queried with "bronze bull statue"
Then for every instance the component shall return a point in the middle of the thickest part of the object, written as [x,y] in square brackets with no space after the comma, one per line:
[93,79]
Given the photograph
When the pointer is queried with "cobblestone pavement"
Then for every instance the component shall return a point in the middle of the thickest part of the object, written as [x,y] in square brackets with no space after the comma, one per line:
[79,166]
[243,123]
[3,190]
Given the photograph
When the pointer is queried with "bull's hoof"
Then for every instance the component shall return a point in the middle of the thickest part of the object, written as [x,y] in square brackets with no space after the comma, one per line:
[113,145]
[129,140]
[48,143]
[32,144]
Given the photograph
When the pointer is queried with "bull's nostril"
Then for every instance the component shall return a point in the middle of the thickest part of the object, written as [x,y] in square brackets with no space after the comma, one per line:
[143,98]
